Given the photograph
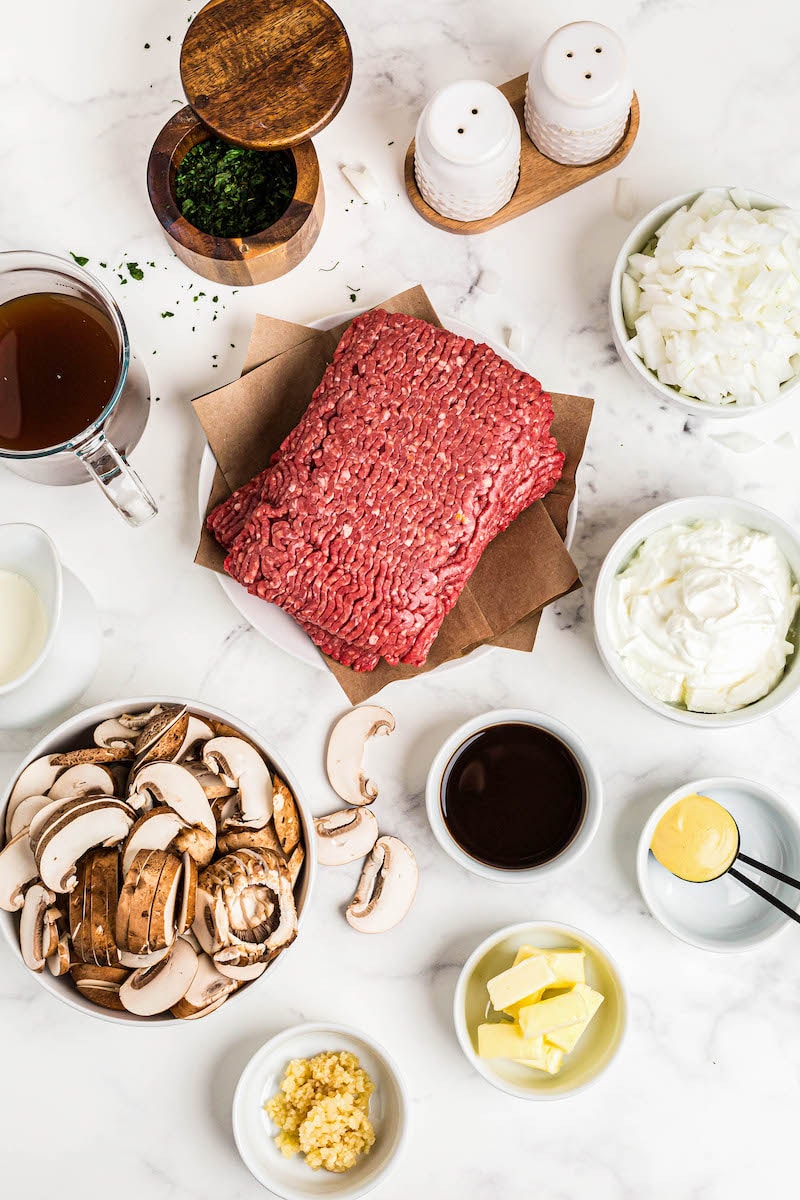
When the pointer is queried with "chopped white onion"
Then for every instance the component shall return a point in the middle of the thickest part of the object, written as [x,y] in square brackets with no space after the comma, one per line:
[515,339]
[363,183]
[715,304]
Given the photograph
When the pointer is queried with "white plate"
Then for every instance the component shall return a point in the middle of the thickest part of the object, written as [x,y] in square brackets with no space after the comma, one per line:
[724,915]
[272,622]
[254,1132]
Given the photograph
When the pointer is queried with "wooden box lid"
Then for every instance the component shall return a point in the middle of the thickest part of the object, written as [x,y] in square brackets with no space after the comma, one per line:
[266,74]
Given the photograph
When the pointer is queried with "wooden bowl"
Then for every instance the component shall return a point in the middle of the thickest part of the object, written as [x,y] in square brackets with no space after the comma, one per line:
[243,261]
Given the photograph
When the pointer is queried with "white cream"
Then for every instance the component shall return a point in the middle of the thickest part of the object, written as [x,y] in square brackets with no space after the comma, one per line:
[23,626]
[701,613]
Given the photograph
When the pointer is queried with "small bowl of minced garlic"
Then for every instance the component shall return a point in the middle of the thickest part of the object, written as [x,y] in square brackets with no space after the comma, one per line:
[320,1110]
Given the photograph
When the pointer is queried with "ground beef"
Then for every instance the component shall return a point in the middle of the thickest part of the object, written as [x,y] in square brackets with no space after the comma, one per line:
[417,448]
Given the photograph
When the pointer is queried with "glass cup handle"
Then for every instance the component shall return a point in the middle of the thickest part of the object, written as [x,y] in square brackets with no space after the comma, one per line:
[119,481]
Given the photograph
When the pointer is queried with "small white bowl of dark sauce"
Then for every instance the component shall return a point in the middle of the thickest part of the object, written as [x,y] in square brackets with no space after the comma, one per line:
[512,795]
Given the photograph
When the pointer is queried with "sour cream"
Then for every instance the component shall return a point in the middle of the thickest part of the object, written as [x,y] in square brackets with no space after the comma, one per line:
[701,614]
[23,626]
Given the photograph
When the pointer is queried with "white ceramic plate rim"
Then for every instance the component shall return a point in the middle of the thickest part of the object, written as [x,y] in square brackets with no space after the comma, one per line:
[88,717]
[527,930]
[636,239]
[594,800]
[286,1037]
[274,624]
[621,550]
[704,787]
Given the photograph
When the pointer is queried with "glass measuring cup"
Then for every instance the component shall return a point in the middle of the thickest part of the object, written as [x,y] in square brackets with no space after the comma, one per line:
[99,451]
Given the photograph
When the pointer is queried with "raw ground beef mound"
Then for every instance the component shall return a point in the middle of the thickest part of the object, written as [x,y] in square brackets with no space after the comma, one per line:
[417,448]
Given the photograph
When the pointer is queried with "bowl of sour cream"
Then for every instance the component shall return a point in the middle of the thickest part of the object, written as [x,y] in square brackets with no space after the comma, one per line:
[696,611]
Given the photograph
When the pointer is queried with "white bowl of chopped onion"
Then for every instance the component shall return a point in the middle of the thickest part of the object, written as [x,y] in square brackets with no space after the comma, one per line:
[705,302]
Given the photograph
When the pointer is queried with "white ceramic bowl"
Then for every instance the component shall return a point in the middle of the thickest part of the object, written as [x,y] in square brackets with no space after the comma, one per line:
[634,243]
[599,1044]
[724,915]
[291,1178]
[594,794]
[77,732]
[675,511]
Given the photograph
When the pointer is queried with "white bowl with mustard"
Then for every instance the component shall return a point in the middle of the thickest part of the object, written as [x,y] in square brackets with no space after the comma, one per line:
[696,611]
[540,1010]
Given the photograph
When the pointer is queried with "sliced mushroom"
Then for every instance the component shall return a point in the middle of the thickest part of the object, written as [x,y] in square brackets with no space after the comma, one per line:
[113,733]
[166,746]
[103,892]
[285,816]
[35,780]
[344,836]
[92,754]
[187,905]
[137,721]
[83,779]
[245,903]
[241,766]
[135,961]
[79,922]
[242,974]
[146,911]
[98,822]
[154,830]
[346,744]
[101,985]
[60,960]
[171,784]
[208,990]
[163,923]
[155,989]
[386,889]
[25,811]
[294,864]
[49,812]
[264,838]
[38,937]
[214,786]
[197,732]
[17,869]
[154,728]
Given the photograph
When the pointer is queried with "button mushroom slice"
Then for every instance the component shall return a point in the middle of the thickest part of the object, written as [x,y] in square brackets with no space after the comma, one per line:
[101,985]
[51,812]
[154,830]
[153,990]
[25,811]
[285,816]
[136,961]
[17,869]
[294,864]
[187,905]
[344,836]
[116,735]
[171,784]
[156,725]
[386,889]
[83,779]
[245,903]
[99,822]
[60,960]
[137,721]
[78,912]
[103,893]
[36,927]
[214,786]
[208,990]
[242,767]
[242,974]
[167,745]
[146,908]
[264,838]
[99,755]
[34,780]
[346,745]
[197,732]
[164,910]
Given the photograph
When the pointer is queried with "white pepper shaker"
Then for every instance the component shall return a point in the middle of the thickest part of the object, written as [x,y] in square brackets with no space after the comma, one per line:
[466,158]
[579,94]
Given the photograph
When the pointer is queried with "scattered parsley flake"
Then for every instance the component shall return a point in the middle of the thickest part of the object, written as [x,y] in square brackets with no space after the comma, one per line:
[215,299]
[333,268]
[135,270]
[168,314]
[103,265]
[80,259]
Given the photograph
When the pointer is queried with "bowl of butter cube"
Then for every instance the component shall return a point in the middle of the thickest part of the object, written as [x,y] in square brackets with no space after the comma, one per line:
[540,1010]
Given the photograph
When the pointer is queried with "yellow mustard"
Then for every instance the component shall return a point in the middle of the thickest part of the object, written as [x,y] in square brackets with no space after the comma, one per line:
[697,839]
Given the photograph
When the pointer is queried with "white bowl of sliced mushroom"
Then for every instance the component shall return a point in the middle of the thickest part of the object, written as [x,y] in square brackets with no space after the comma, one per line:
[156,859]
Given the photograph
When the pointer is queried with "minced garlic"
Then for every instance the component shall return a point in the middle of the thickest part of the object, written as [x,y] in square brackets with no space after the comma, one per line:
[322,1111]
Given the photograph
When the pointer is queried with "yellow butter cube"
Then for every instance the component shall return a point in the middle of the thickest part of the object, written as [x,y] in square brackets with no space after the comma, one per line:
[554,1013]
[567,1038]
[567,966]
[513,1009]
[529,976]
[504,1040]
[550,1060]
[525,952]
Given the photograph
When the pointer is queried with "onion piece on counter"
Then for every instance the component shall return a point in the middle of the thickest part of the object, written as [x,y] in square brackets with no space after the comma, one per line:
[713,301]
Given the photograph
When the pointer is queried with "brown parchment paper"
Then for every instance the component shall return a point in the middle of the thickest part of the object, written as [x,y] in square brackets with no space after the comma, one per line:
[521,571]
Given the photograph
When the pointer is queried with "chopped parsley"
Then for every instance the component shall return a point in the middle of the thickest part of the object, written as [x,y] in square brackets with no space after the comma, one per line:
[80,259]
[229,192]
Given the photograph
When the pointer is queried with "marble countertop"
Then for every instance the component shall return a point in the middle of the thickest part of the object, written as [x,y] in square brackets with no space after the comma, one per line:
[702,1099]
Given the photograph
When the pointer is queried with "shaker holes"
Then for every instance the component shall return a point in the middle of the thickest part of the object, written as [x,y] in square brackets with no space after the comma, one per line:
[569,54]
[588,75]
[461,131]
[598,49]
[474,112]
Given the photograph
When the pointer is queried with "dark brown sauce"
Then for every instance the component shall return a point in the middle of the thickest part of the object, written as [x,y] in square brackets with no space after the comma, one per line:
[513,796]
[59,364]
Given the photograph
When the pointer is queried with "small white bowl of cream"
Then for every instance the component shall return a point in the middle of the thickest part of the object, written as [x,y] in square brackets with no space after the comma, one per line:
[30,602]
[696,611]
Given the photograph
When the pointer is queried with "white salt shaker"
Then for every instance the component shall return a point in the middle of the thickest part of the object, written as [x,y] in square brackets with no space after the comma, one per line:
[466,158]
[579,94]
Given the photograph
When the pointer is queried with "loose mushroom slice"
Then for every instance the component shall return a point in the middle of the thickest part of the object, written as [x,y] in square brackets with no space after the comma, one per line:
[187,905]
[245,903]
[294,863]
[197,732]
[79,916]
[264,838]
[60,960]
[346,744]
[101,985]
[137,721]
[207,991]
[386,889]
[25,811]
[17,869]
[242,974]
[146,909]
[92,754]
[167,745]
[242,767]
[154,729]
[154,830]
[164,909]
[214,786]
[103,892]
[155,989]
[171,784]
[37,935]
[83,779]
[285,816]
[344,836]
[102,822]
[137,961]
[35,780]
[113,733]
